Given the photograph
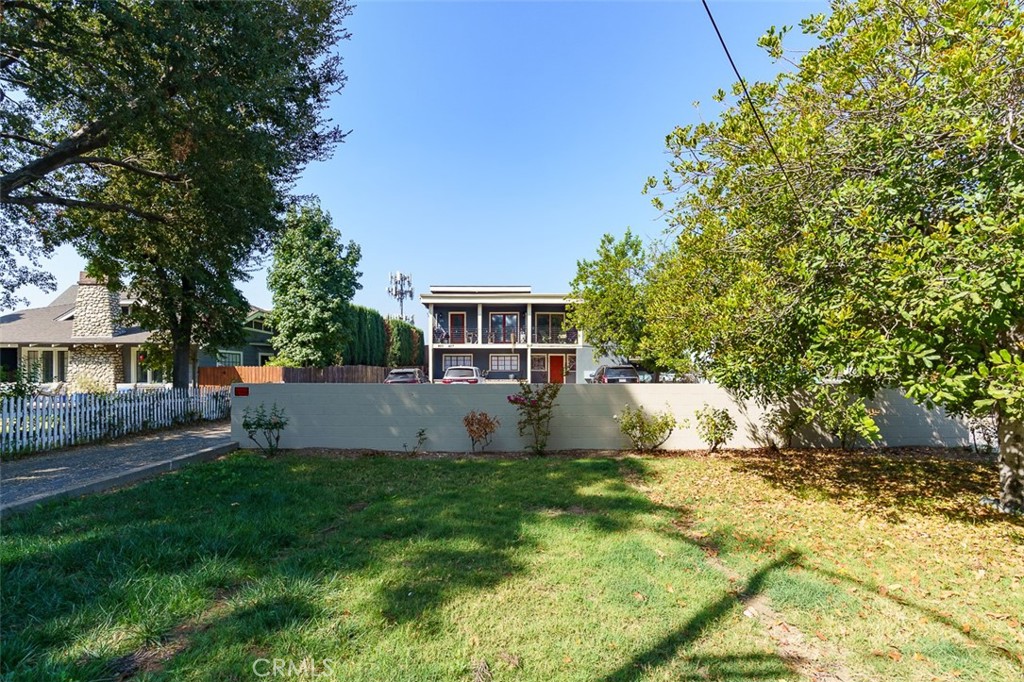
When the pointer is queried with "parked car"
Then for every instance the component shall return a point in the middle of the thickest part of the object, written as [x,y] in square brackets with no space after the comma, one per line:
[463,375]
[615,374]
[411,375]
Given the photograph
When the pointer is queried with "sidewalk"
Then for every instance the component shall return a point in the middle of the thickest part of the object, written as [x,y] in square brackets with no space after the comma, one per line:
[86,469]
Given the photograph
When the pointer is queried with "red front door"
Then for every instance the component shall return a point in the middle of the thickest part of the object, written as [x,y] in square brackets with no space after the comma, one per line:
[556,369]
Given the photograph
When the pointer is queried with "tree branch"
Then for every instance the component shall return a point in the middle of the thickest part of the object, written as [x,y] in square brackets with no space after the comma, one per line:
[89,137]
[22,138]
[92,205]
[169,177]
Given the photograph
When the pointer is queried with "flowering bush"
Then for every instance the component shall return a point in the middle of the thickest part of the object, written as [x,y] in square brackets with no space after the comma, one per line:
[646,431]
[535,407]
[259,422]
[480,428]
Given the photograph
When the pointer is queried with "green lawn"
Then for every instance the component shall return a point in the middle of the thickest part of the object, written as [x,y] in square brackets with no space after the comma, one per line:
[519,569]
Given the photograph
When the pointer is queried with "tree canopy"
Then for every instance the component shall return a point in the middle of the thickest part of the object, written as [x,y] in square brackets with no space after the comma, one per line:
[312,279]
[879,239]
[608,297]
[162,139]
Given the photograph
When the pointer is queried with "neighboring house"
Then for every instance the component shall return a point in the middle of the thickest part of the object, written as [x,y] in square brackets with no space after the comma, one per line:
[507,331]
[79,337]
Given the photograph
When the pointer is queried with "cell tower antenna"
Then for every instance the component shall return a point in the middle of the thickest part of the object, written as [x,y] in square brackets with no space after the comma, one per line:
[400,288]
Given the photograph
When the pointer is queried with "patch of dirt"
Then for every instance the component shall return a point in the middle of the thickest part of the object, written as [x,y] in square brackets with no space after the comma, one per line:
[481,671]
[574,510]
[151,658]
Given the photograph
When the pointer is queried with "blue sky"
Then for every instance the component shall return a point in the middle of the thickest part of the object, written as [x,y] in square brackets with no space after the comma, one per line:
[495,142]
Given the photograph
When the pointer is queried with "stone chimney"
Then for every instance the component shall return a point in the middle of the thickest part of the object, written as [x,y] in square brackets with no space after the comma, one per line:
[94,367]
[97,309]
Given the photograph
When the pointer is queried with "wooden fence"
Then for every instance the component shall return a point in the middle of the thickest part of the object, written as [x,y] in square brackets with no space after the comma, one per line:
[40,423]
[340,374]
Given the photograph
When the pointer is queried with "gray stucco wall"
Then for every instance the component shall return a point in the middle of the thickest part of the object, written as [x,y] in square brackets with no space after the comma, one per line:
[384,417]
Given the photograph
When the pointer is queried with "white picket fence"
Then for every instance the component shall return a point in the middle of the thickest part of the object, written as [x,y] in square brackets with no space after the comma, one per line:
[40,423]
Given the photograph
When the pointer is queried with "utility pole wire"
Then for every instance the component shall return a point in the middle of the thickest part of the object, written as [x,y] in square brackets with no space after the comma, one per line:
[757,114]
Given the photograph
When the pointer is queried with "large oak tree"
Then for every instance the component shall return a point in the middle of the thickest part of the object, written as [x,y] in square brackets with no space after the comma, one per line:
[162,139]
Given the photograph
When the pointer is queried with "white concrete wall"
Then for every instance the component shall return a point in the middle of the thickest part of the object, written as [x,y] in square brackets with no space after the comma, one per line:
[384,417]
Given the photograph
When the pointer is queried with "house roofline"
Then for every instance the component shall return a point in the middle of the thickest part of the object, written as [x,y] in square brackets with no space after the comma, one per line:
[554,299]
[480,289]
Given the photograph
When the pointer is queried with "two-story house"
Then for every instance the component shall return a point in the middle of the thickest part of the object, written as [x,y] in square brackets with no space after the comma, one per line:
[507,331]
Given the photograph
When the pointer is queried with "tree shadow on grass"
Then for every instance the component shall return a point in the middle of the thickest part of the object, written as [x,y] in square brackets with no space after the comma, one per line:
[264,531]
[931,614]
[705,619]
[890,482]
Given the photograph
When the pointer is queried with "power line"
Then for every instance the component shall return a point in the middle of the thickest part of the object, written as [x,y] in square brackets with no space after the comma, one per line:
[757,114]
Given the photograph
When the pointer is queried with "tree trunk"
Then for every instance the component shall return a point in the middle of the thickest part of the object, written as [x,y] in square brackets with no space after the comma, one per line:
[180,372]
[181,336]
[1011,464]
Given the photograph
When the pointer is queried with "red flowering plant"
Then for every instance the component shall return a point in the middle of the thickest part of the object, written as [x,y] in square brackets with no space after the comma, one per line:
[535,407]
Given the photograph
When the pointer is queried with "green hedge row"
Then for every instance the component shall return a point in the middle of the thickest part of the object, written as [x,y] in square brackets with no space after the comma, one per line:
[382,343]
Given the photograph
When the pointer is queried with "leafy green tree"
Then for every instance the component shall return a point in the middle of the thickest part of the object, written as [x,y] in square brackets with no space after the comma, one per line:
[404,343]
[312,280]
[880,240]
[162,139]
[608,297]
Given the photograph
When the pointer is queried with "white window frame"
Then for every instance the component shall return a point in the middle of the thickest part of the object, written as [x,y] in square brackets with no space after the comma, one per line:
[54,362]
[268,356]
[445,363]
[493,356]
[135,378]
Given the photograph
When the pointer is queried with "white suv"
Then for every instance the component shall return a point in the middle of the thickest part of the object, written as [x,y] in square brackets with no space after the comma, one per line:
[462,375]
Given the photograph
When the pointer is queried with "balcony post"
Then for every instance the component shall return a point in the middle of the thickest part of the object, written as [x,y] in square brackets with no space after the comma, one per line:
[529,342]
[430,346]
[479,324]
[529,324]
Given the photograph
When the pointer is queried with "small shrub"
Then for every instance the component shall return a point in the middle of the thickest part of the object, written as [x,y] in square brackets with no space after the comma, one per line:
[535,407]
[88,384]
[24,382]
[842,415]
[421,438]
[645,430]
[715,426]
[480,428]
[258,422]
[780,423]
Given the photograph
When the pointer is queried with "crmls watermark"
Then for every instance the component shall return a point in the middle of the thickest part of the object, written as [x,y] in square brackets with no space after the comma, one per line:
[289,667]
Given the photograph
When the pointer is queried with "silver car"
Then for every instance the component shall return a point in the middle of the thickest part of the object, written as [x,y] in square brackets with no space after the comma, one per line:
[463,374]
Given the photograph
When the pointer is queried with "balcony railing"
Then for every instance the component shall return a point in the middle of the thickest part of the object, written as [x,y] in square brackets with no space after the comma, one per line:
[509,336]
[459,336]
[556,336]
